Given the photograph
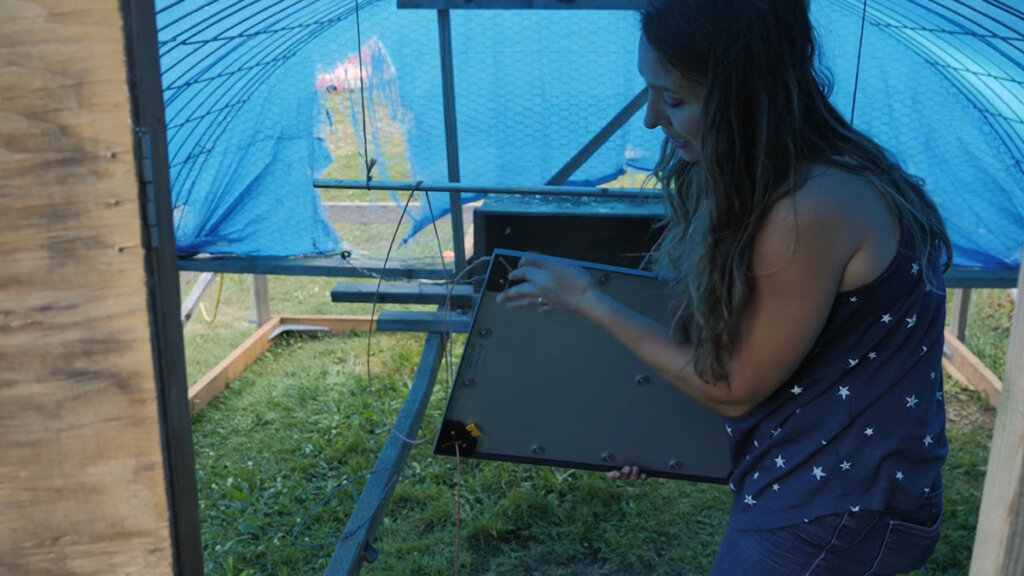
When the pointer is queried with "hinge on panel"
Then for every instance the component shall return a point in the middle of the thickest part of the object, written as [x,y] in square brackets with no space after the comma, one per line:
[149,200]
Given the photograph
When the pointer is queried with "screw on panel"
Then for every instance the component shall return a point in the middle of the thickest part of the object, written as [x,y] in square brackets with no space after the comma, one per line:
[537,450]
[604,279]
[607,457]
[484,332]
[675,465]
[469,382]
[643,380]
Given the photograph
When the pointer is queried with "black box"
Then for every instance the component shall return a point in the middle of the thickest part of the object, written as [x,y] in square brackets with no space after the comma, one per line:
[612,231]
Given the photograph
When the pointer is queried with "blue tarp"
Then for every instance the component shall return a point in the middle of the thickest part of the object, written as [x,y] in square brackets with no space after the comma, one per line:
[263,96]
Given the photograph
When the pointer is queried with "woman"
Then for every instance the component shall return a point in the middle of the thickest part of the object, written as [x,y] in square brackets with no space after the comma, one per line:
[808,267]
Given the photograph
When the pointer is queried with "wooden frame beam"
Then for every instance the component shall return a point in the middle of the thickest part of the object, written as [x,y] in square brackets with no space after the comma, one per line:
[999,540]
[232,366]
[963,365]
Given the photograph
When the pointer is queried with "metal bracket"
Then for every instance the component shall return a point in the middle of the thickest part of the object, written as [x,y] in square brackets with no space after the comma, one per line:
[299,328]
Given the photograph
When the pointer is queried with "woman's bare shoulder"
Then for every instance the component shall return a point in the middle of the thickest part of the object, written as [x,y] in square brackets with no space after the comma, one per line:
[837,212]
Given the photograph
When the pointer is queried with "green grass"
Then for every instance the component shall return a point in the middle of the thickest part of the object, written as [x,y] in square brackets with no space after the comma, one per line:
[304,420]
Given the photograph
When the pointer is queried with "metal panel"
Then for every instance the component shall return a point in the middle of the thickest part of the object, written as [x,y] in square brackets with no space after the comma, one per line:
[551,389]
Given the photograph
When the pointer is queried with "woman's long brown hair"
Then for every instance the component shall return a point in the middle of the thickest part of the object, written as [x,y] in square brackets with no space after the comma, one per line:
[766,118]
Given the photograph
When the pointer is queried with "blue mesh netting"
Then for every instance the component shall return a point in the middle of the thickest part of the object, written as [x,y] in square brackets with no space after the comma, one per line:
[257,91]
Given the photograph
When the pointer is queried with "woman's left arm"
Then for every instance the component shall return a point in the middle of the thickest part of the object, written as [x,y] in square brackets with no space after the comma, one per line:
[798,270]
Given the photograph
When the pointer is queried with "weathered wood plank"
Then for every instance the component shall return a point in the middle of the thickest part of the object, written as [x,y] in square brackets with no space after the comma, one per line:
[82,487]
[999,540]
[336,324]
[963,365]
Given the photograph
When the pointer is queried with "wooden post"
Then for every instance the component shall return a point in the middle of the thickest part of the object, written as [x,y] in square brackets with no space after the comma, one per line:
[958,316]
[260,298]
[999,540]
[82,476]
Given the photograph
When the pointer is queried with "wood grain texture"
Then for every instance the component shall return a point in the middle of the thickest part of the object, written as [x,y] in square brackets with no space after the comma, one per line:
[999,540]
[82,486]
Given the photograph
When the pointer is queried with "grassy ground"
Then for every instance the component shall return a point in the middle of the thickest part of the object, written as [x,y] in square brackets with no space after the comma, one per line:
[280,453]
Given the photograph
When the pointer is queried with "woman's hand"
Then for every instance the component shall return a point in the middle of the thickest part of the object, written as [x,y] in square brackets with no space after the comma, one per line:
[548,283]
[627,473]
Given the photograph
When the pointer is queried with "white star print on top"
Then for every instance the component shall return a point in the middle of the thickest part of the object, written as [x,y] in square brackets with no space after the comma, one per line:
[862,416]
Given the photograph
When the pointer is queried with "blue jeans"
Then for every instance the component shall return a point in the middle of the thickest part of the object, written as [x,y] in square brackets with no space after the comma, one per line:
[848,544]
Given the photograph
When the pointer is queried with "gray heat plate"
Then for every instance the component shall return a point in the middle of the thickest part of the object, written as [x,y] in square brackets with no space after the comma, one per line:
[550,388]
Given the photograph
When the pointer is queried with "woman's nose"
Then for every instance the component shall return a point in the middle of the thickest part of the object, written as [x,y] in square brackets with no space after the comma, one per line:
[654,114]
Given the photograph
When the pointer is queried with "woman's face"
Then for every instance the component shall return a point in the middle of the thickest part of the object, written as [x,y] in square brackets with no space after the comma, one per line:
[673,102]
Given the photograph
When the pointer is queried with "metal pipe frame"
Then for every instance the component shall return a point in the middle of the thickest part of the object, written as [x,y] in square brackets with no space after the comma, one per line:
[636,193]
[451,135]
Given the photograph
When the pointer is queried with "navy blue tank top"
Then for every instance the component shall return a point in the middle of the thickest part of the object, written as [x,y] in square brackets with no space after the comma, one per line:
[861,424]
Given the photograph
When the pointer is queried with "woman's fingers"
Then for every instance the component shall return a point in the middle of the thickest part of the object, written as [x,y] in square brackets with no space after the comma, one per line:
[627,473]
[532,259]
[527,292]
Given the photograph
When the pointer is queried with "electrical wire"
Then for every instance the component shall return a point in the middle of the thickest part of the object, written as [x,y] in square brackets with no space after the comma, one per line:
[216,302]
[860,51]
